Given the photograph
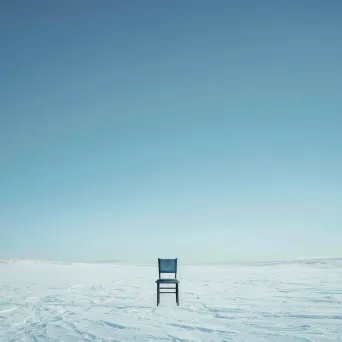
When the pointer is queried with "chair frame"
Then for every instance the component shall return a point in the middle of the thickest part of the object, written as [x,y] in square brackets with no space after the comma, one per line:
[176,289]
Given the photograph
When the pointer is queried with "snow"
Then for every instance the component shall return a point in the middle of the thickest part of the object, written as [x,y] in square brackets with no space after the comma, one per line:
[295,301]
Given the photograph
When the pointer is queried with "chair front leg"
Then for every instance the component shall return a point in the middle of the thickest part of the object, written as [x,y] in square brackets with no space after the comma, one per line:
[177,294]
[158,294]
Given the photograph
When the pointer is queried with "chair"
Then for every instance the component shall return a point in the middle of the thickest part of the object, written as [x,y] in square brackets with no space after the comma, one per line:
[167,266]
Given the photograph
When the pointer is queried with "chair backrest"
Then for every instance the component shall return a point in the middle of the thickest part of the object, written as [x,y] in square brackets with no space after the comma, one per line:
[167,266]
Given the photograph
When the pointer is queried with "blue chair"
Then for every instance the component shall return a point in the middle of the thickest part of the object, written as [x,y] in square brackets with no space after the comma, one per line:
[167,266]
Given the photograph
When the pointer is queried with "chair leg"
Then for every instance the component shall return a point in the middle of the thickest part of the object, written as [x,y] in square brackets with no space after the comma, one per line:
[158,294]
[177,295]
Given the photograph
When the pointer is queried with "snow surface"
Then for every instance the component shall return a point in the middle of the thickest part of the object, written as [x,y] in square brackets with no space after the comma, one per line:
[299,301]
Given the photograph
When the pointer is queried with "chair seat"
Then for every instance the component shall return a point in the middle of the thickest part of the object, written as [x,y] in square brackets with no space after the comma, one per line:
[167,281]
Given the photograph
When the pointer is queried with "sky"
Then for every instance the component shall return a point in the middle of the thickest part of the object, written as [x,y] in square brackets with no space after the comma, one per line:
[204,130]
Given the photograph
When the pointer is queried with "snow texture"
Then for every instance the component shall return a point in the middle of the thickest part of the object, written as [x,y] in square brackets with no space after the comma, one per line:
[297,301]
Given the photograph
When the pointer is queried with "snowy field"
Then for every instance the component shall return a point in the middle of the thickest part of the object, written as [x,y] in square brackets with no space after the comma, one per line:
[299,301]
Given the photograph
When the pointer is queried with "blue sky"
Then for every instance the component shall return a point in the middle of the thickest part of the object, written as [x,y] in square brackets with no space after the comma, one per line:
[205,130]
